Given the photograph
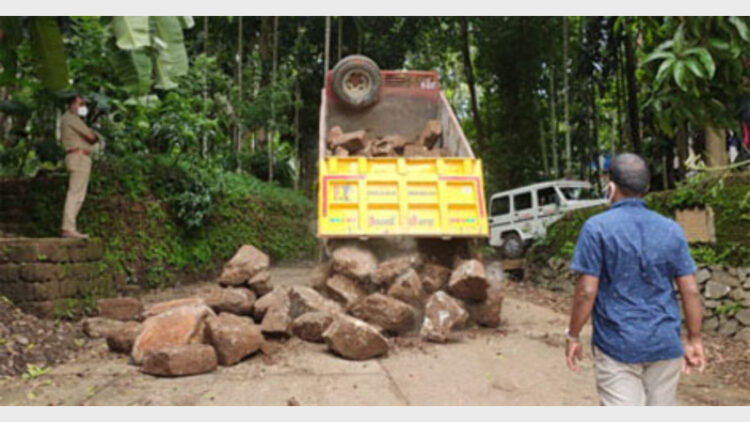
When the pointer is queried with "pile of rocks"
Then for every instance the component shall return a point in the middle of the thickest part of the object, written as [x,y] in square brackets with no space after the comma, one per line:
[360,144]
[725,290]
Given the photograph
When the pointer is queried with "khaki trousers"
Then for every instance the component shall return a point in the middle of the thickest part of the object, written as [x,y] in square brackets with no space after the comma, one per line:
[79,170]
[636,384]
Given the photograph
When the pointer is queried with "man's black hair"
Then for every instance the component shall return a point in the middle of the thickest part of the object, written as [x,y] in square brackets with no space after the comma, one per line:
[630,174]
[72,98]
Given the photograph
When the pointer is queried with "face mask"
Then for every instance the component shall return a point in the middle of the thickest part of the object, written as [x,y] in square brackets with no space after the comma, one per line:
[83,111]
[611,192]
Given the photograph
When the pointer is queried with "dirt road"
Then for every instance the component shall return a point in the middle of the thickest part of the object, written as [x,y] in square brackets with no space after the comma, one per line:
[519,364]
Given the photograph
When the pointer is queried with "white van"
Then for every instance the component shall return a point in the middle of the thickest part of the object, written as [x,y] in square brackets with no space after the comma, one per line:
[520,215]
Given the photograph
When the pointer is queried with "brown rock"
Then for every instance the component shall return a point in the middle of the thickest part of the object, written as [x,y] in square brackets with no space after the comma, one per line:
[320,274]
[487,312]
[384,311]
[185,359]
[468,281]
[344,289]
[121,308]
[388,270]
[305,299]
[382,148]
[397,141]
[181,325]
[260,283]
[334,133]
[276,322]
[415,150]
[278,298]
[121,341]
[341,152]
[159,308]
[310,326]
[438,152]
[233,337]
[245,263]
[238,301]
[407,288]
[98,327]
[351,141]
[441,314]
[431,133]
[434,277]
[354,261]
[354,339]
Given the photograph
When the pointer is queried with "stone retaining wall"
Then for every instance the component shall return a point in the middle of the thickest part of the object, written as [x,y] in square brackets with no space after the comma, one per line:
[725,291]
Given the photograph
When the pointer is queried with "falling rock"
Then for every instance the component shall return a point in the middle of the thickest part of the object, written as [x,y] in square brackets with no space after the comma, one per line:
[354,261]
[487,312]
[434,277]
[180,360]
[122,340]
[178,326]
[277,323]
[260,283]
[233,337]
[386,312]
[245,263]
[159,308]
[344,289]
[388,270]
[441,314]
[305,299]
[468,281]
[431,133]
[98,327]
[354,339]
[121,308]
[716,290]
[310,326]
[278,298]
[703,275]
[238,301]
[407,288]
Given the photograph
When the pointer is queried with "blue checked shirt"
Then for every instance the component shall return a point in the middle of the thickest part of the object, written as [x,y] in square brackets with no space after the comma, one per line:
[636,254]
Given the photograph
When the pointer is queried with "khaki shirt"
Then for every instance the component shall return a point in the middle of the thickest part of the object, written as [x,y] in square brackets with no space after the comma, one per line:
[72,130]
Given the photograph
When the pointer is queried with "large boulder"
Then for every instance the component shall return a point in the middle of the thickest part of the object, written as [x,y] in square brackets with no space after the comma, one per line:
[388,270]
[441,314]
[98,327]
[122,340]
[312,325]
[434,277]
[238,301]
[487,312]
[158,308]
[177,326]
[245,263]
[305,299]
[233,337]
[354,261]
[716,290]
[260,283]
[320,274]
[468,281]
[407,288]
[354,339]
[277,323]
[121,308]
[278,298]
[344,289]
[386,312]
[185,359]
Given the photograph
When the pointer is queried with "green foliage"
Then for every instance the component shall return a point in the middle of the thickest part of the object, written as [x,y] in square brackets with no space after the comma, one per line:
[34,371]
[728,308]
[49,52]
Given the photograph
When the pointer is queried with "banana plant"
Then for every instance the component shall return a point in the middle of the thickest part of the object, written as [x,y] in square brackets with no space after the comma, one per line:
[46,45]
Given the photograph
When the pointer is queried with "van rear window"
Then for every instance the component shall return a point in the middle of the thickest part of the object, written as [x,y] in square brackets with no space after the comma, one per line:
[522,201]
[500,206]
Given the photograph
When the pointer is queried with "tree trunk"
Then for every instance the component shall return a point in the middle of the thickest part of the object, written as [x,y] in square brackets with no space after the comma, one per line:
[469,70]
[682,150]
[543,145]
[633,119]
[327,46]
[238,131]
[553,123]
[568,148]
[716,151]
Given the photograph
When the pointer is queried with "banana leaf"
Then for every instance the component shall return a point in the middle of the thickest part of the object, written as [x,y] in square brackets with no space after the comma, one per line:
[49,52]
[187,22]
[131,32]
[133,68]
[171,60]
[10,27]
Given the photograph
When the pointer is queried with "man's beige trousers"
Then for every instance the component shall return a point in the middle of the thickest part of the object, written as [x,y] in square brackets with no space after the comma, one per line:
[79,170]
[636,384]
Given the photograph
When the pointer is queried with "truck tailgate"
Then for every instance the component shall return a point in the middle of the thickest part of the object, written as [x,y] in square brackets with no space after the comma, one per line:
[372,197]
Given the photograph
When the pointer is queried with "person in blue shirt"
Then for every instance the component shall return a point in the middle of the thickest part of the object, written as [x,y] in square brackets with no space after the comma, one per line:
[629,259]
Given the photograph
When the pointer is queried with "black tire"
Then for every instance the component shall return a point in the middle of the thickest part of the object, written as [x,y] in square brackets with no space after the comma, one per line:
[356,81]
[513,247]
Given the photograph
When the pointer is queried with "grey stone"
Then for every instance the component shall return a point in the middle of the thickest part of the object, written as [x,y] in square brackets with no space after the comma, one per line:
[703,275]
[743,316]
[711,304]
[746,285]
[743,334]
[715,290]
[740,296]
[723,277]
[728,327]
[710,325]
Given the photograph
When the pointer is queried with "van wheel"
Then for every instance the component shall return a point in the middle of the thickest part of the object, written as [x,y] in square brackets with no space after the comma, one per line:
[356,81]
[512,246]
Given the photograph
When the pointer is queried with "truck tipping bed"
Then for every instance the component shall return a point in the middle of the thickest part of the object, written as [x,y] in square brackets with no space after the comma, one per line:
[395,196]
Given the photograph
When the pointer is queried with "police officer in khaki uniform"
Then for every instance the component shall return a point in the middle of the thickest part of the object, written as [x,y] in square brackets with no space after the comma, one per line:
[78,140]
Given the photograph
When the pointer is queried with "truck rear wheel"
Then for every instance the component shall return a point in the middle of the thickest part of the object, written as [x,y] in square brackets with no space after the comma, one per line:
[356,81]
[513,247]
